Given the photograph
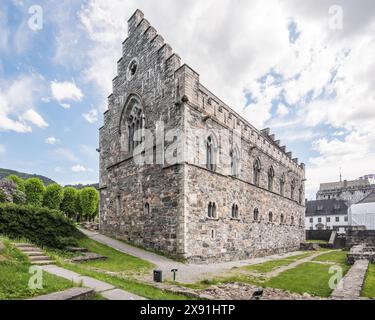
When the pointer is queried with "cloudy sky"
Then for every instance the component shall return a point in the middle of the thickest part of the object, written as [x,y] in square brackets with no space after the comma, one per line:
[304,68]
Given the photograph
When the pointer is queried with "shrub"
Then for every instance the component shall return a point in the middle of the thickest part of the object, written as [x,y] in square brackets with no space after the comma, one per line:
[7,188]
[18,181]
[3,197]
[89,198]
[68,204]
[42,226]
[53,196]
[34,189]
[19,197]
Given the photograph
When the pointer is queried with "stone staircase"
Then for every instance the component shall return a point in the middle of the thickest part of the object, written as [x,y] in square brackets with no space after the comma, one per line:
[35,254]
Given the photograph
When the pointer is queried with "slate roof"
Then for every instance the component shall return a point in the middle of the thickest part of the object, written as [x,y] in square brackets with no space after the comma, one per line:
[326,207]
[369,199]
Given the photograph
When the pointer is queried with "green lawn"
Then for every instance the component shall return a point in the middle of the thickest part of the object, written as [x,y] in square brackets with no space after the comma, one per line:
[125,265]
[334,256]
[308,277]
[14,277]
[369,287]
[274,264]
[116,261]
[127,284]
[317,241]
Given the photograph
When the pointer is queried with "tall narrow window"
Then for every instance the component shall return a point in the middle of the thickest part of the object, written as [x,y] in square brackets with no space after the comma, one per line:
[300,195]
[256,214]
[211,210]
[256,174]
[235,211]
[282,218]
[292,188]
[292,221]
[210,156]
[234,162]
[282,184]
[270,216]
[271,174]
[147,208]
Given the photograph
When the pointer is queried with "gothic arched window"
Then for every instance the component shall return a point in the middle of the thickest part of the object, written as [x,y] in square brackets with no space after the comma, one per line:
[300,195]
[256,175]
[132,123]
[271,174]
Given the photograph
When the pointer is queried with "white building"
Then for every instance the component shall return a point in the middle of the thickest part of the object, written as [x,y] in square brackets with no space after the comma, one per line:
[330,214]
[363,212]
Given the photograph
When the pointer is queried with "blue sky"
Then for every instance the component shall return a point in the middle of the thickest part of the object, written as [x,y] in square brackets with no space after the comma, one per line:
[304,69]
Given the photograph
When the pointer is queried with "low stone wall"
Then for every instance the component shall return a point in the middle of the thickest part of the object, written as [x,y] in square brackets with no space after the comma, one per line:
[318,235]
[356,237]
[70,294]
[361,252]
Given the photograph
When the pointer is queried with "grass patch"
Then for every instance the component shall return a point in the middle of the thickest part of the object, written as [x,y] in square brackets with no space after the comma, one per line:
[130,285]
[334,256]
[14,277]
[271,265]
[369,286]
[317,241]
[116,261]
[308,277]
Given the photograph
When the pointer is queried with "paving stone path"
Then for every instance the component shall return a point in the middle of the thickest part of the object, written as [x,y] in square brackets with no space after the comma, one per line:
[107,290]
[187,273]
[350,287]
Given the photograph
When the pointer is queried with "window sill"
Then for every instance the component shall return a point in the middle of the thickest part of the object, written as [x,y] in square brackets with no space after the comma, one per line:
[212,219]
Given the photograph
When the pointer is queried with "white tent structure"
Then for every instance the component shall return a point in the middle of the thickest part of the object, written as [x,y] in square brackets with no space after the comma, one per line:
[363,212]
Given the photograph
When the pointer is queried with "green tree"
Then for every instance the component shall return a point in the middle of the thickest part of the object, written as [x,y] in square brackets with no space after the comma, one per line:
[68,204]
[18,181]
[34,189]
[53,196]
[89,198]
[78,206]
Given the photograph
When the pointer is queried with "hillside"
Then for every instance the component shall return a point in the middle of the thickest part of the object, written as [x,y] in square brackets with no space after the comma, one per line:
[6,172]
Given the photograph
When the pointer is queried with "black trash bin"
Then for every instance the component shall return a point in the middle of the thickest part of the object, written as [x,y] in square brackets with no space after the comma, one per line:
[158,276]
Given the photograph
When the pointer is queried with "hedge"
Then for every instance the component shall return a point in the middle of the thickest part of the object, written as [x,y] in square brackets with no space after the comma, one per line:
[42,226]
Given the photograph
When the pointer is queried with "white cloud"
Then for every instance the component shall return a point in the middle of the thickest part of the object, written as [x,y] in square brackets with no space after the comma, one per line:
[35,118]
[65,91]
[65,105]
[18,99]
[64,154]
[231,47]
[91,116]
[51,140]
[79,168]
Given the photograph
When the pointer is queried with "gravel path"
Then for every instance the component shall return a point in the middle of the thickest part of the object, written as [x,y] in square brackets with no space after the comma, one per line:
[187,273]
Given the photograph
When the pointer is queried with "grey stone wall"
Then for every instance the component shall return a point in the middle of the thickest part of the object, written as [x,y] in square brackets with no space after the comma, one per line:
[178,192]
[125,187]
